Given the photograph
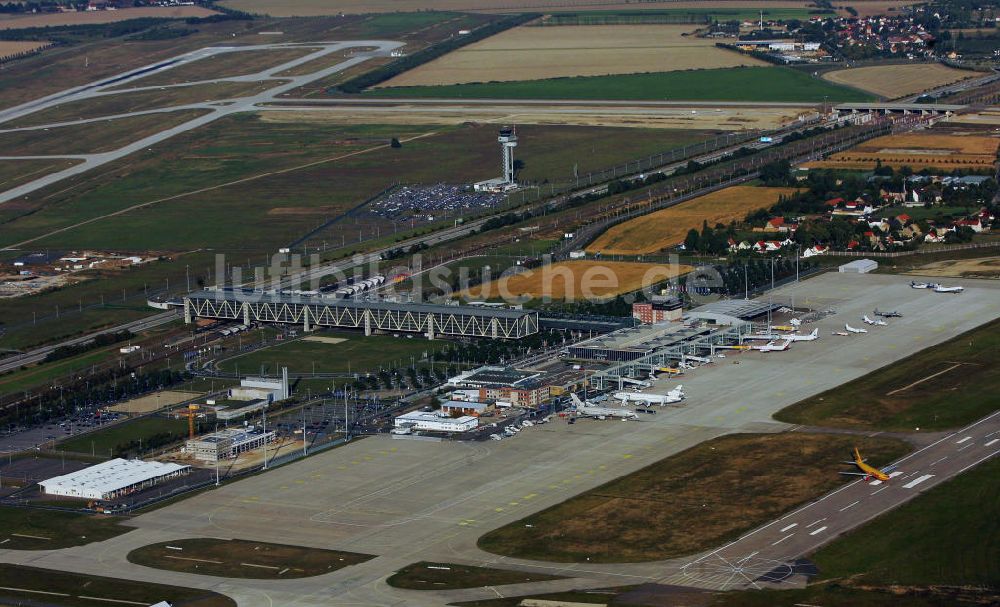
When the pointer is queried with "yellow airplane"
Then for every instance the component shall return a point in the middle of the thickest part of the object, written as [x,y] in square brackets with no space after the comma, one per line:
[867,470]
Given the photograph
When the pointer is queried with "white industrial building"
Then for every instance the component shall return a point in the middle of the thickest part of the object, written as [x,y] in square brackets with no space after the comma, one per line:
[112,479]
[428,420]
[262,388]
[859,266]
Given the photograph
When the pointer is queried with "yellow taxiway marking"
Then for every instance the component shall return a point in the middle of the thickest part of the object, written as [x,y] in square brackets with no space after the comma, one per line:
[567,481]
[513,503]
[299,482]
[498,509]
[394,449]
[283,487]
[602,467]
[529,496]
[741,409]
[553,486]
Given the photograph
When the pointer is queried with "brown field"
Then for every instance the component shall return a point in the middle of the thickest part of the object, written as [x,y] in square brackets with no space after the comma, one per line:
[691,501]
[868,8]
[893,81]
[668,227]
[570,280]
[90,17]
[154,402]
[225,65]
[983,267]
[727,119]
[12,47]
[918,151]
[534,53]
[303,8]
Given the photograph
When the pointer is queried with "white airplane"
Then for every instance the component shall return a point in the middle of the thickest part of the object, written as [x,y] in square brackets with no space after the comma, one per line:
[944,289]
[808,337]
[588,410]
[851,329]
[841,333]
[922,285]
[674,396]
[795,322]
[878,321]
[764,336]
[773,346]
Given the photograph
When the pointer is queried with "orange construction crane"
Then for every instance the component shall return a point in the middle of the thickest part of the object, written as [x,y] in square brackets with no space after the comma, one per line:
[191,412]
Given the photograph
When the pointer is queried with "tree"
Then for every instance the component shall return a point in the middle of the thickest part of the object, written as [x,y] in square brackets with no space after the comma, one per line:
[691,240]
[394,143]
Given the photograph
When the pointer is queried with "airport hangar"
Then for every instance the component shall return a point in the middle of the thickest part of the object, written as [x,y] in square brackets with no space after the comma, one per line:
[371,316]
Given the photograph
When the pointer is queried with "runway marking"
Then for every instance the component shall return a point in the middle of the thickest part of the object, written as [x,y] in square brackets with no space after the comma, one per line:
[627,456]
[498,509]
[784,529]
[513,503]
[882,489]
[820,530]
[815,522]
[34,591]
[967,438]
[917,481]
[851,505]
[938,461]
[992,442]
[967,446]
[529,496]
[894,474]
[785,538]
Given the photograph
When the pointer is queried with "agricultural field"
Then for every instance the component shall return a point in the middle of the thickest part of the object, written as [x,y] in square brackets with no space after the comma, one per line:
[892,81]
[13,47]
[943,387]
[297,8]
[123,103]
[574,280]
[729,485]
[918,151]
[725,84]
[14,21]
[223,65]
[985,267]
[353,353]
[668,227]
[92,137]
[243,559]
[536,53]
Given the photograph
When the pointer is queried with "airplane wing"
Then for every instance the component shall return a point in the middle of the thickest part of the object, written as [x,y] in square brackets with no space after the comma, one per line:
[854,474]
[889,469]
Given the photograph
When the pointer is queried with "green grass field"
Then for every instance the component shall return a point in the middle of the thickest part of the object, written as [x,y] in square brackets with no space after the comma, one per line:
[45,373]
[36,529]
[691,501]
[448,576]
[889,399]
[106,442]
[73,590]
[91,137]
[357,354]
[727,84]
[243,559]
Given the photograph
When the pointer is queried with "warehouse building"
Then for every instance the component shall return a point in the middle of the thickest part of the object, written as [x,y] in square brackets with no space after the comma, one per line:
[112,479]
[433,422]
[859,266]
[227,444]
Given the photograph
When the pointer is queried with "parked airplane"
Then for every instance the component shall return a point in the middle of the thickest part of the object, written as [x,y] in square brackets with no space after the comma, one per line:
[587,409]
[923,285]
[773,346]
[869,321]
[841,333]
[808,337]
[851,329]
[888,314]
[674,396]
[944,289]
[867,470]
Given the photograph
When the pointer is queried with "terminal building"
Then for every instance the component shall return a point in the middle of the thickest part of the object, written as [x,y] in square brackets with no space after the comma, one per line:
[512,387]
[227,444]
[112,479]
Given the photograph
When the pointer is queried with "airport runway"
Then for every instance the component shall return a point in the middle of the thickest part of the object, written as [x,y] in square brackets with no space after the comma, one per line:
[407,500]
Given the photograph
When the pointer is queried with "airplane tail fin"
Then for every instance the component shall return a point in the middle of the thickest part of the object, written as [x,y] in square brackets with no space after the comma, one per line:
[857,455]
[576,399]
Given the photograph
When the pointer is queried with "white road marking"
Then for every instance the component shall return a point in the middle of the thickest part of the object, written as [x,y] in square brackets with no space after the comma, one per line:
[814,522]
[992,442]
[851,505]
[917,481]
[875,482]
[821,529]
[937,461]
[784,529]
[783,539]
[959,442]
[882,489]
[967,446]
[894,474]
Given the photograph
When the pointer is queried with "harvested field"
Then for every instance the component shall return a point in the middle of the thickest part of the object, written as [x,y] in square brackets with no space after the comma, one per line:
[91,17]
[893,81]
[154,402]
[92,137]
[868,8]
[691,501]
[573,280]
[224,65]
[726,119]
[535,53]
[985,267]
[668,227]
[918,151]
[300,8]
[13,47]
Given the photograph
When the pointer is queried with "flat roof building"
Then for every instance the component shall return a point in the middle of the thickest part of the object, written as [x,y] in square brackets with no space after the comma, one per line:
[112,479]
[859,266]
[428,420]
[227,444]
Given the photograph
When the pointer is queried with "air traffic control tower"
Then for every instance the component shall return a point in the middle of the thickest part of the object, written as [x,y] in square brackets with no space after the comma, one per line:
[508,141]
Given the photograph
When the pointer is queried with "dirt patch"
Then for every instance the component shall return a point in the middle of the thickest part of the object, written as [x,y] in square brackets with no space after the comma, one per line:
[666,228]
[898,80]
[13,47]
[534,53]
[91,17]
[325,340]
[987,267]
[154,402]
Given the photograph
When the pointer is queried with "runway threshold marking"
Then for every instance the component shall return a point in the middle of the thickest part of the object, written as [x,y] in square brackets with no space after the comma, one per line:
[993,442]
[938,461]
[820,530]
[784,538]
[784,529]
[967,446]
[967,438]
[882,489]
[851,505]
[816,522]
[917,481]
